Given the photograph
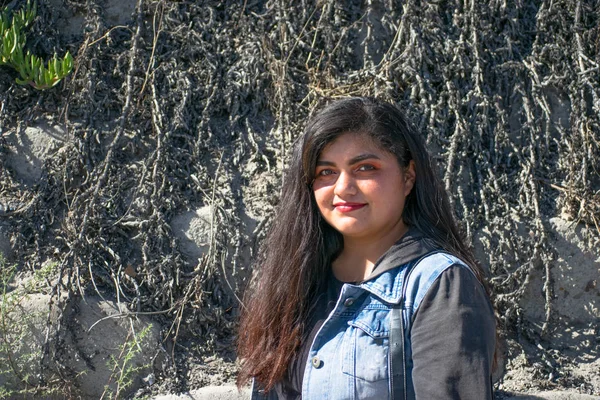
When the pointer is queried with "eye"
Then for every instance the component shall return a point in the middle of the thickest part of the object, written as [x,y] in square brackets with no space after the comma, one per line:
[366,167]
[325,172]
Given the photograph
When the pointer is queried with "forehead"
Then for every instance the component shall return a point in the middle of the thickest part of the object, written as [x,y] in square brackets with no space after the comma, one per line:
[351,144]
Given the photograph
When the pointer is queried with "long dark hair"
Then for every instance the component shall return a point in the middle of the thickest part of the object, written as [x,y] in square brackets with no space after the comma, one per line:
[300,246]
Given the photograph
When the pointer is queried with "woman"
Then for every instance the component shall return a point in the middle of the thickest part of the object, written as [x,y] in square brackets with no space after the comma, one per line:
[365,287]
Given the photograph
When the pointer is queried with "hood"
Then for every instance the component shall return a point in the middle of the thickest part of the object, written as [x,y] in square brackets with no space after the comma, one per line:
[412,245]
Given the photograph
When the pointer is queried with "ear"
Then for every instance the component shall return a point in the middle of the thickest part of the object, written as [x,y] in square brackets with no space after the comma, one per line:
[410,176]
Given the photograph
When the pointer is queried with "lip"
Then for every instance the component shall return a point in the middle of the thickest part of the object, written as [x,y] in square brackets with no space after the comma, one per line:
[348,207]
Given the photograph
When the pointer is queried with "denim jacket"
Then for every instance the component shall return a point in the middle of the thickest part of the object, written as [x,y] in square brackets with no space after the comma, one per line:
[348,358]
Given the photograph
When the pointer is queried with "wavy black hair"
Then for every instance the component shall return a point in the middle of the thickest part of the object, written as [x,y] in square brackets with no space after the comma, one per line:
[297,253]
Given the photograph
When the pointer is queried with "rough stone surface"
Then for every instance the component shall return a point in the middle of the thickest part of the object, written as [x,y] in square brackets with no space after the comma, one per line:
[72,23]
[25,324]
[576,275]
[31,147]
[210,393]
[95,341]
[575,311]
[118,12]
[193,229]
[90,345]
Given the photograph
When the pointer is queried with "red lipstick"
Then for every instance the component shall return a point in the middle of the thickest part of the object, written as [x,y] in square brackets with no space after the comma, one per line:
[348,207]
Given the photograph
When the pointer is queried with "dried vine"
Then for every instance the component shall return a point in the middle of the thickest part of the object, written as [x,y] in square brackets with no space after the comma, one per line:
[190,105]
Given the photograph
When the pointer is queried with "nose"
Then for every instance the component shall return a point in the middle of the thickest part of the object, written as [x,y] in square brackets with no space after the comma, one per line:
[345,185]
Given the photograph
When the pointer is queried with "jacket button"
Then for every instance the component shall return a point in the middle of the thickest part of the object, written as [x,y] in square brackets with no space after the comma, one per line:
[349,301]
[316,362]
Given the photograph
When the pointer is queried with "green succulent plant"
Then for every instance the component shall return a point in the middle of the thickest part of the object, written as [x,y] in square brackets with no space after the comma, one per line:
[30,67]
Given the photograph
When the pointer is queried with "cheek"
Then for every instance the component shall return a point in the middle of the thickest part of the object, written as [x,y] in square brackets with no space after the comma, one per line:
[388,194]
[322,198]
[374,190]
[396,198]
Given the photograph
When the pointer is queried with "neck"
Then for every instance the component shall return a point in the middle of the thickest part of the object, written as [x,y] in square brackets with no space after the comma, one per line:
[359,255]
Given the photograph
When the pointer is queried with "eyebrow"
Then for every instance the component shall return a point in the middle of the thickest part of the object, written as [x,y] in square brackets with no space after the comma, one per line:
[354,160]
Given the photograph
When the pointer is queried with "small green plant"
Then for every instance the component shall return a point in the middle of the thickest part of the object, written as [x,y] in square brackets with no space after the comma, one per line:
[122,368]
[17,377]
[30,67]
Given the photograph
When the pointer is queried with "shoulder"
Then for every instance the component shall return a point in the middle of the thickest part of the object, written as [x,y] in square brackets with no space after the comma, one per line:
[410,282]
[452,334]
[427,271]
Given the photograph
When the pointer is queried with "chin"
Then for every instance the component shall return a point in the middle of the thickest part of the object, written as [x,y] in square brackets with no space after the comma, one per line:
[351,231]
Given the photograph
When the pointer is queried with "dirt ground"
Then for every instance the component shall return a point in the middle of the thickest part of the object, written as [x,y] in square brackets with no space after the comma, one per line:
[151,173]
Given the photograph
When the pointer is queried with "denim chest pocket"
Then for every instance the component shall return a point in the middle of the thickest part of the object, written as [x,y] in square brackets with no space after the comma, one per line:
[366,346]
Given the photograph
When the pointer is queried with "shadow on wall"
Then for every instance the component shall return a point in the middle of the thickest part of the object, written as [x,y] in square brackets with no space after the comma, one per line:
[576,280]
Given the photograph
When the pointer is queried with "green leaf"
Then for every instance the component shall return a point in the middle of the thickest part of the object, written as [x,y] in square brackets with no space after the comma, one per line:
[68,60]
[64,67]
[47,77]
[15,39]
[24,72]
[33,12]
[6,45]
[17,56]
[27,64]
[37,62]
[23,81]
[3,24]
[56,66]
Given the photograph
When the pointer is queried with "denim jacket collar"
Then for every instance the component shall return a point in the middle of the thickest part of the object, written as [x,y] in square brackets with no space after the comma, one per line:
[386,279]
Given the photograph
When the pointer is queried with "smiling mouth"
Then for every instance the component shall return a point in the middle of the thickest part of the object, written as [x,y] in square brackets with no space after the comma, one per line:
[348,207]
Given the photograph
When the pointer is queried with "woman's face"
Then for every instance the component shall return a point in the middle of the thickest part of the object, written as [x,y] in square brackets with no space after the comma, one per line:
[360,188]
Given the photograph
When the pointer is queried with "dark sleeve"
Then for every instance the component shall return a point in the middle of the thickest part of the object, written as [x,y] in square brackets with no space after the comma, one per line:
[453,337]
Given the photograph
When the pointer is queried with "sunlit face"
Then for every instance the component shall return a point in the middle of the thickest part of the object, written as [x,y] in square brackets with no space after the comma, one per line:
[360,188]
